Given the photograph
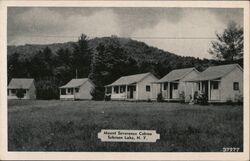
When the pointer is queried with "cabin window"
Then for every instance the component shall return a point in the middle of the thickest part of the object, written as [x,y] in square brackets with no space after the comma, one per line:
[108,90]
[116,89]
[148,88]
[122,89]
[165,86]
[175,85]
[76,90]
[215,85]
[13,91]
[63,91]
[24,91]
[236,86]
[70,90]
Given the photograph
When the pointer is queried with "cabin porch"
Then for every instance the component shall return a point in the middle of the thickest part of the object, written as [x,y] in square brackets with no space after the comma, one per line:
[210,88]
[170,91]
[68,93]
[12,93]
[122,92]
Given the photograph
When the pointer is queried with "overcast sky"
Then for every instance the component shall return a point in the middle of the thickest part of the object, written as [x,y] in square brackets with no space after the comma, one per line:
[183,31]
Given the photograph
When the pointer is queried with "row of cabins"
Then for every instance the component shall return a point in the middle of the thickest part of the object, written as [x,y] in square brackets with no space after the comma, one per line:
[219,84]
[76,89]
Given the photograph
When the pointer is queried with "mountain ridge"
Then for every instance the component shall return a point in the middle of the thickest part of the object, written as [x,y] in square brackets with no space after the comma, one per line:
[134,48]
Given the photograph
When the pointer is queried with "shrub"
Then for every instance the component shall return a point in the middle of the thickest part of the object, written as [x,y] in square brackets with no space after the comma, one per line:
[159,97]
[20,93]
[196,95]
[98,93]
[107,97]
[202,99]
[182,97]
[47,89]
[239,98]
[229,101]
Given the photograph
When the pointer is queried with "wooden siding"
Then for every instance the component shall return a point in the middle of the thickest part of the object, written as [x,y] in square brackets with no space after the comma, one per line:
[227,91]
[141,88]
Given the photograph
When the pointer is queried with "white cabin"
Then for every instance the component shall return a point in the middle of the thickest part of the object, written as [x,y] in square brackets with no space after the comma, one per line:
[220,83]
[173,85]
[77,89]
[132,87]
[26,84]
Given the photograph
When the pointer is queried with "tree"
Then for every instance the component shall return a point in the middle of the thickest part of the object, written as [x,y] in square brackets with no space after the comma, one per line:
[20,93]
[43,64]
[229,45]
[108,64]
[98,93]
[13,65]
[47,89]
[63,57]
[64,68]
[48,61]
[81,56]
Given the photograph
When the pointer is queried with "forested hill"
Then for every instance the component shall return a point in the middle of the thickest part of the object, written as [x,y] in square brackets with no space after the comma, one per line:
[135,49]
[101,59]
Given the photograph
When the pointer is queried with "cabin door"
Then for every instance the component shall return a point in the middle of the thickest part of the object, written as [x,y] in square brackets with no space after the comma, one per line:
[170,92]
[205,88]
[215,92]
[174,94]
[131,90]
[165,90]
[131,93]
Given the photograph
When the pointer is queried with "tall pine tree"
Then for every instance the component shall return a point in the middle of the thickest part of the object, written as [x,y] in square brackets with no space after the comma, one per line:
[81,57]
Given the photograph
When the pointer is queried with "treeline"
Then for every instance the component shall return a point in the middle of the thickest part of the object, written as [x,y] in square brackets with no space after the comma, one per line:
[103,63]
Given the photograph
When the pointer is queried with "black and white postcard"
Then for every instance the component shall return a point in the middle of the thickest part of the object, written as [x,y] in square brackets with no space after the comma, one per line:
[122,80]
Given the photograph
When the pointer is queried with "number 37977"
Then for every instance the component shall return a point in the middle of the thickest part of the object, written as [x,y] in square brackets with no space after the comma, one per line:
[231,149]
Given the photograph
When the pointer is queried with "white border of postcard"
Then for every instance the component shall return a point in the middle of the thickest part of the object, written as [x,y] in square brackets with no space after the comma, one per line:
[5,155]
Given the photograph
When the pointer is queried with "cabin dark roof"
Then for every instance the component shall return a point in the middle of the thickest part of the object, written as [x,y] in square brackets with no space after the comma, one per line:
[126,80]
[75,83]
[175,75]
[24,83]
[215,72]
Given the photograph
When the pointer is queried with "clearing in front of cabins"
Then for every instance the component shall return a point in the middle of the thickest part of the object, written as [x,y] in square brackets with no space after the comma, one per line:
[36,125]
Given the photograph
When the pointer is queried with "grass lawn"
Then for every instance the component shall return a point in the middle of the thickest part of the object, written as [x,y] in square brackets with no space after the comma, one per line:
[35,125]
